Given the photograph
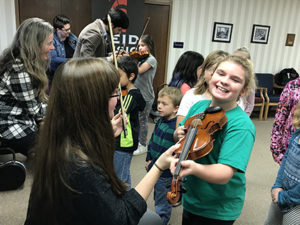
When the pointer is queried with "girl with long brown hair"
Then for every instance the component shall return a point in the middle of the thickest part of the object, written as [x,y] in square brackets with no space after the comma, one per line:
[74,180]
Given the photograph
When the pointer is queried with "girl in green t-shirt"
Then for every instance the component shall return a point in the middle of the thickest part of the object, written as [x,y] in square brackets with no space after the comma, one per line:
[216,183]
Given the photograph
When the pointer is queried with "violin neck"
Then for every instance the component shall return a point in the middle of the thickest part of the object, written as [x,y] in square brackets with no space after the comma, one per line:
[190,136]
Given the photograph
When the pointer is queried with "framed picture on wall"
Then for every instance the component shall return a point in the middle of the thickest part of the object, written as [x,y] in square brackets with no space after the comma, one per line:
[260,34]
[222,32]
[290,38]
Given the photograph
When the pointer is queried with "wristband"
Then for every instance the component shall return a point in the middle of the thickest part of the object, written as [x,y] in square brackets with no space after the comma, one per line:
[158,167]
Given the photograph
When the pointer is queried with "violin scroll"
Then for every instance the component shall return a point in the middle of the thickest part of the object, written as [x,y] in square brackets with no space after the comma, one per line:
[175,195]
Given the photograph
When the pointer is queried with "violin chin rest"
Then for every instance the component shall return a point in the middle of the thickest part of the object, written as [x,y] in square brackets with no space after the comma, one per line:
[213,109]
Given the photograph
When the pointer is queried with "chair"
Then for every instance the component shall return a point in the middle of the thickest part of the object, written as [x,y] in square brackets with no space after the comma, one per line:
[266,80]
[260,100]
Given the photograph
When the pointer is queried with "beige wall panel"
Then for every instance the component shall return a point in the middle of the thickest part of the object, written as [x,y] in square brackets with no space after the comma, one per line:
[193,21]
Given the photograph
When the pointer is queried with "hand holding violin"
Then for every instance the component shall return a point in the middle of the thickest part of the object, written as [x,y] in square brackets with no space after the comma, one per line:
[188,167]
[118,54]
[145,186]
[165,159]
[179,133]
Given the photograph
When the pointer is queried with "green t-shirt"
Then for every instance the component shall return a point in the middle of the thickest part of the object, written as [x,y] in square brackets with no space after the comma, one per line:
[232,146]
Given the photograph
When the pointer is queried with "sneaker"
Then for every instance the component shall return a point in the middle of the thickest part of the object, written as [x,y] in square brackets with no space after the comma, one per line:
[140,150]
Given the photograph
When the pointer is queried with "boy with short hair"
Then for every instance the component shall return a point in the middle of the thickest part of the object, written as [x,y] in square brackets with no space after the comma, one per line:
[133,102]
[162,138]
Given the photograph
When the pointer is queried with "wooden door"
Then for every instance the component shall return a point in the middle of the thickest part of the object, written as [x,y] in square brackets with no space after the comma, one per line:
[158,29]
[77,10]
[80,13]
[35,8]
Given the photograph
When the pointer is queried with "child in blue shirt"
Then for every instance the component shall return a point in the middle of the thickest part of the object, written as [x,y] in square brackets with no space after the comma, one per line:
[162,138]
[133,103]
[285,206]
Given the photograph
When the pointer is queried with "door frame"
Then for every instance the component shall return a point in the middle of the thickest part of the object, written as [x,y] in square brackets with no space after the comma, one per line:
[17,13]
[169,3]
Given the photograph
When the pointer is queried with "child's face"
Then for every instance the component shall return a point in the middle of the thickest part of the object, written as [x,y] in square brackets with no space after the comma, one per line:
[123,78]
[143,47]
[227,82]
[117,30]
[166,108]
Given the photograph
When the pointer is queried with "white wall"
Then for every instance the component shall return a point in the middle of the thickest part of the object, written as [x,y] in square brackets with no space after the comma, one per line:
[193,21]
[7,23]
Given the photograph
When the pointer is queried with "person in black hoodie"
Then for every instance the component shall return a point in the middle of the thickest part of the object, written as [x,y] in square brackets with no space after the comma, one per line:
[133,103]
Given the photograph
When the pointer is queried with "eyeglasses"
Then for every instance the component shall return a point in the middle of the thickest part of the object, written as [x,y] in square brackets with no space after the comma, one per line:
[116,95]
[66,30]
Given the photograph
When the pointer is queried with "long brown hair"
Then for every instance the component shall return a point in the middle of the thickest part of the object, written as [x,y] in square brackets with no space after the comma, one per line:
[147,39]
[27,46]
[78,124]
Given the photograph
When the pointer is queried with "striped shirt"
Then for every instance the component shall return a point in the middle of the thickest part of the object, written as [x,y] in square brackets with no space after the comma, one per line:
[161,140]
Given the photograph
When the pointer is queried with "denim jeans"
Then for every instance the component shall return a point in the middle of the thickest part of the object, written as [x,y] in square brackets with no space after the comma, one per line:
[143,120]
[122,161]
[162,206]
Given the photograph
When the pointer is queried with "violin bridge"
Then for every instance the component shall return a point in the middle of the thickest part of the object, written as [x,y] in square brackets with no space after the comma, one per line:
[196,122]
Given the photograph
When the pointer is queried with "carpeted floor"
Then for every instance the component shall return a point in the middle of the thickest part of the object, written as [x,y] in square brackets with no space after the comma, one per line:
[260,175]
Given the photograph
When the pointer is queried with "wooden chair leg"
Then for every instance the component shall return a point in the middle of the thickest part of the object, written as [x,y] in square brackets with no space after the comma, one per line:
[266,111]
[261,112]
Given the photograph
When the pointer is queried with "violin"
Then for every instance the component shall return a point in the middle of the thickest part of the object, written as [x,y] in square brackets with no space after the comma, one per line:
[197,143]
[139,55]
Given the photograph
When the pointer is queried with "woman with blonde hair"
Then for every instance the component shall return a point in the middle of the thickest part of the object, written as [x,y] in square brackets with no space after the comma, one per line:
[23,83]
